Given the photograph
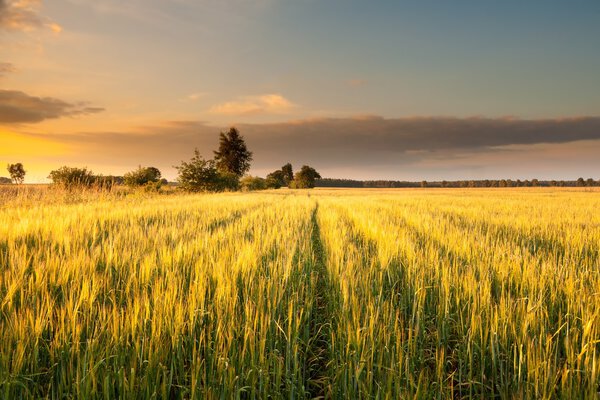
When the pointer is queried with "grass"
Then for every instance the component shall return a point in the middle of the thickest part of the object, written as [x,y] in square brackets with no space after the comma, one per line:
[300,294]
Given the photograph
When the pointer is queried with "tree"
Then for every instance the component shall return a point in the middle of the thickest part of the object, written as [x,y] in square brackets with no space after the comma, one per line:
[200,175]
[281,177]
[305,178]
[233,156]
[276,179]
[580,182]
[17,172]
[590,182]
[5,181]
[71,177]
[288,174]
[424,184]
[142,176]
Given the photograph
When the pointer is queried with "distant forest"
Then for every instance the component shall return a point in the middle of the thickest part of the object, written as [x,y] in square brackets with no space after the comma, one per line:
[351,183]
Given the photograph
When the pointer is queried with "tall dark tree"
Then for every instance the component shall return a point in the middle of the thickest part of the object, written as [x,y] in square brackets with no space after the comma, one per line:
[233,156]
[17,172]
[288,174]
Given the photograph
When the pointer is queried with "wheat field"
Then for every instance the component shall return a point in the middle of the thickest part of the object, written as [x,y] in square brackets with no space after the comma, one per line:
[383,294]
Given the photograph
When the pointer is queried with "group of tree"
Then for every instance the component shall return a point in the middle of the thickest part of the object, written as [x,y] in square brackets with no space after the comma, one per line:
[304,179]
[489,183]
[223,172]
[230,163]
[588,182]
[284,177]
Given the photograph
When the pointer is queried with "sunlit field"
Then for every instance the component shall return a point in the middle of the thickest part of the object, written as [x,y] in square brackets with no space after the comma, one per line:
[387,294]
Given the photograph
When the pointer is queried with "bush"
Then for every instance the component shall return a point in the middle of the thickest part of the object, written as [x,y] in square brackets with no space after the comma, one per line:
[142,176]
[105,182]
[152,187]
[253,183]
[227,181]
[272,183]
[71,177]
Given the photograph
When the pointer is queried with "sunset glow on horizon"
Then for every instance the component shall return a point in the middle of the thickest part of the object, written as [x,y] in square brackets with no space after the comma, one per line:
[385,90]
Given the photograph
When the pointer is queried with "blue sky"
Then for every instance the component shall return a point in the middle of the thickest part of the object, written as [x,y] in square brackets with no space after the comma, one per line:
[128,68]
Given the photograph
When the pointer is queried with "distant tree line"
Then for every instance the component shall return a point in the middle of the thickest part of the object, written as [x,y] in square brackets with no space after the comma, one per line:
[489,183]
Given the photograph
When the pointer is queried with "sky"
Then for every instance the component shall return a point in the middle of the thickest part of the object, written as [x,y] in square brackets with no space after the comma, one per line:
[405,90]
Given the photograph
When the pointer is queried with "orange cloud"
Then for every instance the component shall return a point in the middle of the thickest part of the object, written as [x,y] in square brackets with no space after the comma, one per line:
[265,104]
[54,27]
[23,15]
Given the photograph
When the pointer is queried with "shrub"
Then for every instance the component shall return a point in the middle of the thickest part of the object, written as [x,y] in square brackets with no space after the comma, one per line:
[71,177]
[253,183]
[142,176]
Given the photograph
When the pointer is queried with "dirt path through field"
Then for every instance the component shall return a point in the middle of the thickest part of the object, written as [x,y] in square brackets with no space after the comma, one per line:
[321,320]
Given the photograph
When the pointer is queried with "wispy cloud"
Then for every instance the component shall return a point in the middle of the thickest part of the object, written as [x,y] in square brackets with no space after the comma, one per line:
[264,104]
[195,96]
[6,68]
[24,15]
[356,82]
[17,107]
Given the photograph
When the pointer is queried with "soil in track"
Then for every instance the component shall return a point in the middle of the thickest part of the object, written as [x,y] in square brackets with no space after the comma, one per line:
[318,365]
